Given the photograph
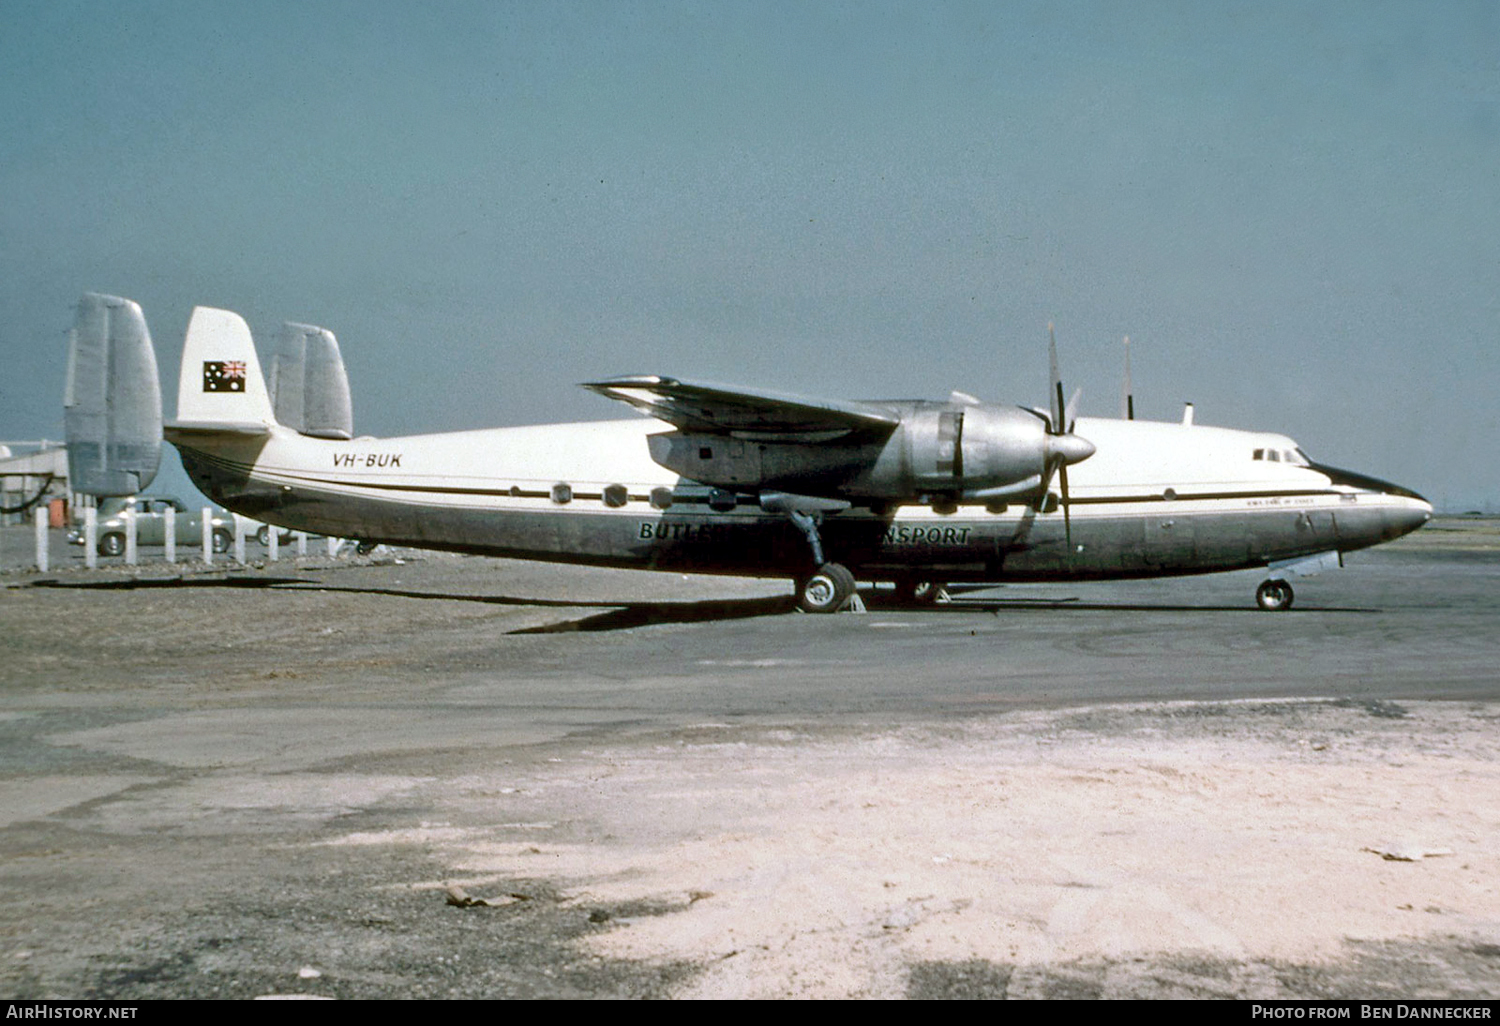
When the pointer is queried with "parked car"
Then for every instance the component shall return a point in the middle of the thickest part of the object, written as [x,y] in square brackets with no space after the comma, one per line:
[151,512]
[262,533]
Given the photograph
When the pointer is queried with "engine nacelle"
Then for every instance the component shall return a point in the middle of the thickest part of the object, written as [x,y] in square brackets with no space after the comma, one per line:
[939,451]
[973,448]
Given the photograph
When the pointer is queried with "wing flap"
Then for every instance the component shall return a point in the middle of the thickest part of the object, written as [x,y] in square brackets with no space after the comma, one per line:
[745,413]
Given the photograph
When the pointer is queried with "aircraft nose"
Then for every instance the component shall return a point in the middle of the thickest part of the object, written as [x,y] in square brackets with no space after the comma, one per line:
[1407,512]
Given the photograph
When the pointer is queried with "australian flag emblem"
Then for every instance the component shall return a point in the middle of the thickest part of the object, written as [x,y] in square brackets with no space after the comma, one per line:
[223,375]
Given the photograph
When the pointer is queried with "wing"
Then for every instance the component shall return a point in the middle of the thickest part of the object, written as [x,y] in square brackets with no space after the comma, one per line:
[746,413]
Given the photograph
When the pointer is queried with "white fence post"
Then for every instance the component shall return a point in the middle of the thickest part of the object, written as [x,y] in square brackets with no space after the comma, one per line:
[301,537]
[239,540]
[39,518]
[273,543]
[208,535]
[169,539]
[90,537]
[333,547]
[130,537]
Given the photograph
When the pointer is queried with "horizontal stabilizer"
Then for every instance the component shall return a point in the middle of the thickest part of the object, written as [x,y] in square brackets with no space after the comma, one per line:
[181,430]
[309,387]
[748,413]
[112,406]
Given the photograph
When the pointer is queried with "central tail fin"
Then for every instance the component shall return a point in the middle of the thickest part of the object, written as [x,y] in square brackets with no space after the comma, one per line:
[221,387]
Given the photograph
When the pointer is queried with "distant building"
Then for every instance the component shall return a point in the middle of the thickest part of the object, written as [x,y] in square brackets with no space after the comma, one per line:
[30,479]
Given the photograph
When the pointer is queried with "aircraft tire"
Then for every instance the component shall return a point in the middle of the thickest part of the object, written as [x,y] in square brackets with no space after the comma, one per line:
[919,593]
[264,535]
[112,544]
[1274,596]
[223,540]
[828,590]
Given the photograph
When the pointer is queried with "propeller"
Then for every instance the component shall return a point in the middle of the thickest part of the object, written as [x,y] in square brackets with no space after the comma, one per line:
[1062,446]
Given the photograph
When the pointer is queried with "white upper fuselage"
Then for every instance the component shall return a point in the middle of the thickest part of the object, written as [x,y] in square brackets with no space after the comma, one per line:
[1132,459]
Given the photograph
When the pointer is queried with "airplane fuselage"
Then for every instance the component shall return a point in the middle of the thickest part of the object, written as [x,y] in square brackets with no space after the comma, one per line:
[1155,499]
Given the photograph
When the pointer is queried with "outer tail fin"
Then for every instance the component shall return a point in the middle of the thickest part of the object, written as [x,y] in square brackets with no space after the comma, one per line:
[309,388]
[112,406]
[221,387]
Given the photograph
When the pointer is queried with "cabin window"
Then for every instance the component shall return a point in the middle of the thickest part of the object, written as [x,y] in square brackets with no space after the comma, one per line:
[616,496]
[705,453]
[1273,455]
[1260,454]
[661,498]
[562,493]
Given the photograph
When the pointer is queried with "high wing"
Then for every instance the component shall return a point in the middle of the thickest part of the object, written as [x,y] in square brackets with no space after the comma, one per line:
[703,408]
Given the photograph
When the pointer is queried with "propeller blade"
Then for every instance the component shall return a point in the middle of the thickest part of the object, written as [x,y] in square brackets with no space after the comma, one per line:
[1067,520]
[1061,446]
[1056,391]
[1070,417]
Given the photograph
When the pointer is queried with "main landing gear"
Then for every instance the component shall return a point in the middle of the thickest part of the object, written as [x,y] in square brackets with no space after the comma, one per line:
[920,593]
[828,590]
[830,587]
[1274,595]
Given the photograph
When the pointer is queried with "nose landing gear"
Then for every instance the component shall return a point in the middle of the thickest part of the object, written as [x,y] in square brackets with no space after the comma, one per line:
[1274,595]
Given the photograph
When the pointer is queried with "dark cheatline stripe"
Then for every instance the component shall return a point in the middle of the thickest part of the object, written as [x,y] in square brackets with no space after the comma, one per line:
[1192,496]
[1337,476]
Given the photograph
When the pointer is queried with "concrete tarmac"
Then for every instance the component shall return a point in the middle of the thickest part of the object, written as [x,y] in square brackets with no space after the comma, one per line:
[256,780]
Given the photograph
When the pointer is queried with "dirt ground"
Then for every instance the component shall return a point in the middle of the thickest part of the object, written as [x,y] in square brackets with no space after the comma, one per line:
[282,803]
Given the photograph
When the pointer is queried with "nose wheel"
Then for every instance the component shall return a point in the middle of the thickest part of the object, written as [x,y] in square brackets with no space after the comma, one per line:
[1274,595]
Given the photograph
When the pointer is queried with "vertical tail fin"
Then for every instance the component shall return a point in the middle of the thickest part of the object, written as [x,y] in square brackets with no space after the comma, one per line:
[112,406]
[221,383]
[309,388]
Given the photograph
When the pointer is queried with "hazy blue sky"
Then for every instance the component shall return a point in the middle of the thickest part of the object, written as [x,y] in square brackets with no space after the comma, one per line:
[1293,209]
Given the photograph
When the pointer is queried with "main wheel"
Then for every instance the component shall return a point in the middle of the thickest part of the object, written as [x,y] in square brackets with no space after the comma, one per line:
[918,593]
[222,541]
[264,535]
[1274,595]
[112,544]
[827,590]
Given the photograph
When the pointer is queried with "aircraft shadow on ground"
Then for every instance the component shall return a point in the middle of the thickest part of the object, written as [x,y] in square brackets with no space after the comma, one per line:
[617,616]
[996,605]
